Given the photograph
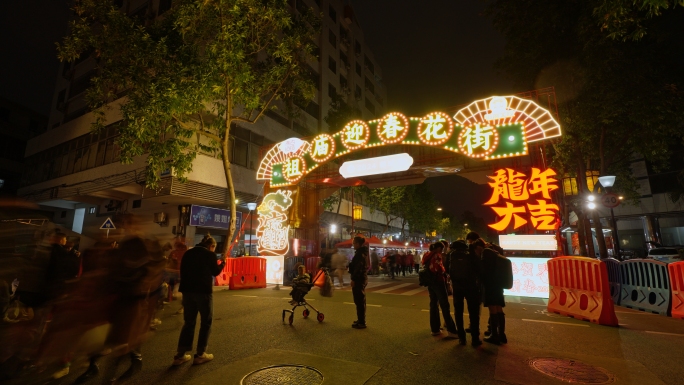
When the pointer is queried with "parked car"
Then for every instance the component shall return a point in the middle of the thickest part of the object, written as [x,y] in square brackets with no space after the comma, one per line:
[665,254]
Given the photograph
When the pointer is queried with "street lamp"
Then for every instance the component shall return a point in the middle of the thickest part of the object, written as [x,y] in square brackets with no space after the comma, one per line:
[439,209]
[333,229]
[607,182]
[251,206]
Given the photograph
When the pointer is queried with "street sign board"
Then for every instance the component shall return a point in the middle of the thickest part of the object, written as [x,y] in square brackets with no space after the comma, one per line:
[610,200]
[212,217]
[108,225]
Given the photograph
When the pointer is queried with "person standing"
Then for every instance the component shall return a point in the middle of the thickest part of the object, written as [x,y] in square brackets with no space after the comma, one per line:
[493,292]
[466,281]
[416,261]
[375,266]
[358,268]
[197,272]
[391,264]
[339,263]
[438,292]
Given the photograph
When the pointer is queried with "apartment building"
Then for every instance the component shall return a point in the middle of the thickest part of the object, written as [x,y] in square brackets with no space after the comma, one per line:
[77,174]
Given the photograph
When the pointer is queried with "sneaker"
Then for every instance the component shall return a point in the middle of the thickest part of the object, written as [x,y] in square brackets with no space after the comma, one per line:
[205,357]
[155,322]
[359,326]
[181,360]
[439,333]
[354,323]
[451,335]
[502,338]
[60,373]
[180,311]
[476,342]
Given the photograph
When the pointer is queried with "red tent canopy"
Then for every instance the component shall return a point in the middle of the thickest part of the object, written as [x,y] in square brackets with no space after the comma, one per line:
[372,242]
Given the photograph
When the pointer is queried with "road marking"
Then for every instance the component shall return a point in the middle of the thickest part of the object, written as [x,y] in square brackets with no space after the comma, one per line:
[532,304]
[307,300]
[246,296]
[414,291]
[440,312]
[552,322]
[368,304]
[666,334]
[394,287]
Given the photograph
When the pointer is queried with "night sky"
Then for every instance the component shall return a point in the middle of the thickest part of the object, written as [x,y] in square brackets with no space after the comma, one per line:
[433,54]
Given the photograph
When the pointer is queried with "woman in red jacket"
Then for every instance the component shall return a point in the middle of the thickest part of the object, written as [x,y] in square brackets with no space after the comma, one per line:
[438,292]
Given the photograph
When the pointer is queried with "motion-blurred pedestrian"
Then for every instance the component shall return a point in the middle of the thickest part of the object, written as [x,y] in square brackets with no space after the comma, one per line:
[358,268]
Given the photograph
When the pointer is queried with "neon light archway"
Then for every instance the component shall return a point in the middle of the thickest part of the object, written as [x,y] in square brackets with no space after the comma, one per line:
[492,128]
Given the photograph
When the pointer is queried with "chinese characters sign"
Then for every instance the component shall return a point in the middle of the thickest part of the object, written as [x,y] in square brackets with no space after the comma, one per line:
[520,199]
[212,217]
[530,277]
[492,128]
[273,228]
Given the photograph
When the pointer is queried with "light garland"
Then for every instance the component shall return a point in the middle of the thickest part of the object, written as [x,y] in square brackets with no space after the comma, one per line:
[431,127]
[322,148]
[483,140]
[294,169]
[355,135]
[393,128]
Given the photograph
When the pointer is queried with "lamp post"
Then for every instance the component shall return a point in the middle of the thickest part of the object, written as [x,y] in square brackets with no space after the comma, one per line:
[607,182]
[331,233]
[251,206]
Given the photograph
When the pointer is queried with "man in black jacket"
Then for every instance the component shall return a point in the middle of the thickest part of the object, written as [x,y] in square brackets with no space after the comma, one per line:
[197,271]
[358,268]
[465,271]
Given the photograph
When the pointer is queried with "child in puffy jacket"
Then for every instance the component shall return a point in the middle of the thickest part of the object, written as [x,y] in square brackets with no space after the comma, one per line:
[301,284]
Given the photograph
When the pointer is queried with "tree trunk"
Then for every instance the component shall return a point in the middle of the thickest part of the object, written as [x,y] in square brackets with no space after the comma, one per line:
[600,239]
[581,234]
[231,189]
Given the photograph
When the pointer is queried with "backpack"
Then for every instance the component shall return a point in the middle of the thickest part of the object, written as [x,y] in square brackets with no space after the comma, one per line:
[503,270]
[424,276]
[462,271]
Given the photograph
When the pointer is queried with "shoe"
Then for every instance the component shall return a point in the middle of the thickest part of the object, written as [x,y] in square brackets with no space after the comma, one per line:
[293,302]
[180,311]
[476,342]
[502,338]
[451,336]
[92,372]
[493,339]
[155,322]
[355,323]
[462,341]
[135,368]
[439,333]
[181,360]
[359,326]
[60,373]
[205,357]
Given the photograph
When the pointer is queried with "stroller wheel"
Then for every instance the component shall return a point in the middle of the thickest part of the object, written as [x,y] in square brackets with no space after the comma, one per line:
[291,319]
[320,317]
[306,313]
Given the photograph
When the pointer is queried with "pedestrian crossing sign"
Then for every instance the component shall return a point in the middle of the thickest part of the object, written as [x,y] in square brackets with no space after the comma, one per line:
[108,225]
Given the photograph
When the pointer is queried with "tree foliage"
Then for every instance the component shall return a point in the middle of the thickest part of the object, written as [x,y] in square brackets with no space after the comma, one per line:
[630,19]
[183,80]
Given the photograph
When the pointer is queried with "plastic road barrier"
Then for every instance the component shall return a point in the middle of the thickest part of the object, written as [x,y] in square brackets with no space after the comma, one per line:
[248,273]
[645,286]
[676,271]
[613,266]
[578,287]
[223,279]
[290,271]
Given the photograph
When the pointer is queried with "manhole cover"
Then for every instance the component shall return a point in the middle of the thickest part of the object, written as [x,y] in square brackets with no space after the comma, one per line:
[572,371]
[284,375]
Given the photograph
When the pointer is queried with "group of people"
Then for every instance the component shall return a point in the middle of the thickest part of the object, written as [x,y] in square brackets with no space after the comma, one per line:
[394,263]
[467,269]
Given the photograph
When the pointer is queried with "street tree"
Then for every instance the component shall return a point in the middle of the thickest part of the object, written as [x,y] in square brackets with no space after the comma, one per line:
[182,80]
[388,201]
[617,99]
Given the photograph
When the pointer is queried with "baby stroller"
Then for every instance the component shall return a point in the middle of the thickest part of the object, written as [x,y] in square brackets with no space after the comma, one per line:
[299,291]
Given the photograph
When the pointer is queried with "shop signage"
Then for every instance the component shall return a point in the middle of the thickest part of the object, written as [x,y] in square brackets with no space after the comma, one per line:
[530,277]
[519,199]
[212,217]
[493,128]
[540,242]
[273,229]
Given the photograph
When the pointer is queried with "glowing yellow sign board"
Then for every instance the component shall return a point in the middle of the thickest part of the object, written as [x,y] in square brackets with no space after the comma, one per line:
[273,228]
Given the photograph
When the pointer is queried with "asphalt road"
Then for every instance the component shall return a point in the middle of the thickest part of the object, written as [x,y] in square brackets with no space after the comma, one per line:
[397,347]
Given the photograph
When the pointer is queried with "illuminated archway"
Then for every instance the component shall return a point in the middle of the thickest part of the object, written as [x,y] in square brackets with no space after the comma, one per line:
[492,128]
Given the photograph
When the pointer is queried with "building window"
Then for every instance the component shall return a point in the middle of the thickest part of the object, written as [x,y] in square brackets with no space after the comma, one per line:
[369,64]
[332,91]
[358,47]
[332,64]
[370,86]
[570,183]
[332,38]
[370,106]
[343,82]
[137,203]
[358,94]
[332,13]
[358,69]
